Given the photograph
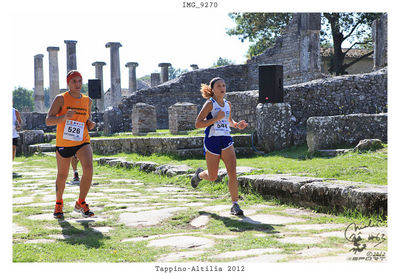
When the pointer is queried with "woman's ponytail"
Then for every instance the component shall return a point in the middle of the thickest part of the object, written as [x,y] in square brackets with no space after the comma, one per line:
[206,91]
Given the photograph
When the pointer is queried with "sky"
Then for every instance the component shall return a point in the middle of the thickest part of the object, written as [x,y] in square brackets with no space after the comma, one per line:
[151,32]
[181,36]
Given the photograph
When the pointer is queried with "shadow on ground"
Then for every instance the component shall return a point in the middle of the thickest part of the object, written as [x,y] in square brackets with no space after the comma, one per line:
[243,224]
[88,236]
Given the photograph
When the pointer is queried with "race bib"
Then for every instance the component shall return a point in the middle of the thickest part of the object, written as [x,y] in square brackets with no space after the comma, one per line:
[73,130]
[222,126]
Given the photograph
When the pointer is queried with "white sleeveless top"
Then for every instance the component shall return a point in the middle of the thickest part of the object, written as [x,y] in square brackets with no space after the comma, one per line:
[221,127]
[14,123]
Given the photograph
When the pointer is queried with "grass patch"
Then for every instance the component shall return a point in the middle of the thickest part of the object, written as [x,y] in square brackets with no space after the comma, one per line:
[87,245]
[368,167]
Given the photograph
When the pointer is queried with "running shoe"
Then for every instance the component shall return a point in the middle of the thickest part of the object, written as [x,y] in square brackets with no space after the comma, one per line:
[235,210]
[58,211]
[76,180]
[83,208]
[16,175]
[196,179]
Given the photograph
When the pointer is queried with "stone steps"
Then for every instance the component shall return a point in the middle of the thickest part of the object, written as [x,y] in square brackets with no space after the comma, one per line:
[318,192]
[180,146]
[196,152]
[42,147]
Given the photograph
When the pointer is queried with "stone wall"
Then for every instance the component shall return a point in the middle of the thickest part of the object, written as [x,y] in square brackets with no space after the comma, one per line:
[244,108]
[326,194]
[298,50]
[182,146]
[29,137]
[329,132]
[35,121]
[362,93]
[186,88]
[350,94]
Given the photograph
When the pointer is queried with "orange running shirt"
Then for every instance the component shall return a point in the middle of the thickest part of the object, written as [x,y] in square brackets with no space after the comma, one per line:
[73,131]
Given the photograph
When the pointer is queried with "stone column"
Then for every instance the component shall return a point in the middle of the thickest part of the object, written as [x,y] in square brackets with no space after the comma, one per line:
[154,79]
[71,54]
[309,28]
[164,71]
[379,35]
[194,67]
[115,87]
[39,87]
[54,88]
[132,76]
[99,75]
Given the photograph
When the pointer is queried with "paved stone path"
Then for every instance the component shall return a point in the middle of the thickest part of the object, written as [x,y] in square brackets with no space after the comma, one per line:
[268,233]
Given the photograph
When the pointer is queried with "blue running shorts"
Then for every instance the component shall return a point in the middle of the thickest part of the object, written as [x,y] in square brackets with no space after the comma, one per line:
[216,144]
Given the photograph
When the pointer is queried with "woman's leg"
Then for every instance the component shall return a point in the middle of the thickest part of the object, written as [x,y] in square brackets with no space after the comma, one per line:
[85,155]
[62,175]
[211,174]
[229,158]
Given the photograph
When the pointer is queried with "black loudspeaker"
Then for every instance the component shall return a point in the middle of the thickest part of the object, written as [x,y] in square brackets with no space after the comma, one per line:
[94,88]
[270,84]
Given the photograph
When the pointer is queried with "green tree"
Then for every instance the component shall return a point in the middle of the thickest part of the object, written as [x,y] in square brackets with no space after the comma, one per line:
[85,88]
[223,62]
[23,99]
[174,73]
[353,27]
[145,78]
[263,28]
[47,98]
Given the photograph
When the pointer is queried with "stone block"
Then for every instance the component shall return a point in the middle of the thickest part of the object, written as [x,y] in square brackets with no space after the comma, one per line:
[144,118]
[182,117]
[345,130]
[170,145]
[29,137]
[274,126]
[369,144]
[112,120]
[318,192]
[35,121]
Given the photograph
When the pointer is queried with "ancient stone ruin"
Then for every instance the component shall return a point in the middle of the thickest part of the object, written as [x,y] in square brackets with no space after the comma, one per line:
[182,117]
[309,95]
[318,110]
